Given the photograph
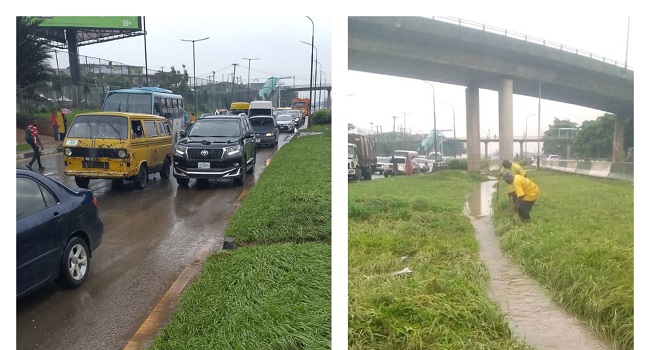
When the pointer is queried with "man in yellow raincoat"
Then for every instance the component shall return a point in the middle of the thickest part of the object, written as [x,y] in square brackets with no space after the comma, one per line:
[515,169]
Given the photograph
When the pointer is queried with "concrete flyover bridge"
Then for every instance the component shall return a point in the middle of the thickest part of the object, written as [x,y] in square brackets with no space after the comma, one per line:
[454,51]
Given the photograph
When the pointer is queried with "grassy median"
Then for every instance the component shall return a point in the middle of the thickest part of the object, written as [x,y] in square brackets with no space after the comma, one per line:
[418,223]
[274,290]
[580,245]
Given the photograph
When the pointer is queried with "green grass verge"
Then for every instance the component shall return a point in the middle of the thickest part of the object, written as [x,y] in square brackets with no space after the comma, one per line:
[580,245]
[266,297]
[292,200]
[418,222]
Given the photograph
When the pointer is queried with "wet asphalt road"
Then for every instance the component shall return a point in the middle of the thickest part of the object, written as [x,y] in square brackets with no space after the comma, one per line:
[150,237]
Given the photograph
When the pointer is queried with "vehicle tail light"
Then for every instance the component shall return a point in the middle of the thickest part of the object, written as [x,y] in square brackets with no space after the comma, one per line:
[95,202]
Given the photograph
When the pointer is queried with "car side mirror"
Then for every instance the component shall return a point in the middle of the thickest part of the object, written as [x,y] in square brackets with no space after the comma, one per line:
[182,134]
[249,134]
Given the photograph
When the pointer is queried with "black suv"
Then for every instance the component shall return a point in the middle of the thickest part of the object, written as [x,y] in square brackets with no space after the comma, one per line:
[215,147]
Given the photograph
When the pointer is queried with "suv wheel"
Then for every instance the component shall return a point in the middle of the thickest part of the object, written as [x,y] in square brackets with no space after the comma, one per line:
[239,181]
[252,169]
[182,182]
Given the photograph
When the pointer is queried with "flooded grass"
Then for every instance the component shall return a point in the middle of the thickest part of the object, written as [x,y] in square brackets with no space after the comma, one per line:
[580,245]
[418,223]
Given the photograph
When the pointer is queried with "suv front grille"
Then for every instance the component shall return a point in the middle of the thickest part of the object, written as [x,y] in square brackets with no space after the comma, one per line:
[195,153]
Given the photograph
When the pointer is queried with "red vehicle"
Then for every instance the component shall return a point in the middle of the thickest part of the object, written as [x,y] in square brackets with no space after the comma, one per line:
[302,104]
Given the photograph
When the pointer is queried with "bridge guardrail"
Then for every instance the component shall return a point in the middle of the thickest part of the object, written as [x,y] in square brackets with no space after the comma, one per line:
[528,38]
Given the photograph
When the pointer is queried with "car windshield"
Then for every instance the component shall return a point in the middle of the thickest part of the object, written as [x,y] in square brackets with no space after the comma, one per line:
[261,121]
[382,159]
[285,117]
[215,128]
[99,127]
[400,160]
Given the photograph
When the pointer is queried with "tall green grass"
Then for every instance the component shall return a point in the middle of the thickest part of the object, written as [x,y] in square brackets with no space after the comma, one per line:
[274,290]
[417,222]
[580,245]
[292,200]
[266,297]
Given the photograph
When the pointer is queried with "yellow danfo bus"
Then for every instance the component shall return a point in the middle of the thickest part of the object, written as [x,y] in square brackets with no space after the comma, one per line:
[238,107]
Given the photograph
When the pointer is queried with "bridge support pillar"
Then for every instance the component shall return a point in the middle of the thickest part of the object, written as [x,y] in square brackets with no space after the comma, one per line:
[473,129]
[505,119]
[522,156]
[487,156]
[618,153]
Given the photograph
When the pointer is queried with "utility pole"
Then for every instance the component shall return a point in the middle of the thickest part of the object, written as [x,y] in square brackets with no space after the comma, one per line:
[248,97]
[234,69]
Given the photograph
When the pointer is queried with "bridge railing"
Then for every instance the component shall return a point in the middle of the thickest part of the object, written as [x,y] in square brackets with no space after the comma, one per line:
[528,38]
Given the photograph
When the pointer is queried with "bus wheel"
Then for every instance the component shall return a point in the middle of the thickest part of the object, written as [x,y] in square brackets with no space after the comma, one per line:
[82,181]
[142,177]
[164,173]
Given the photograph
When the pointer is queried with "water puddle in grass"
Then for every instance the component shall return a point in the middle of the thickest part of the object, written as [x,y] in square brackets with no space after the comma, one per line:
[533,317]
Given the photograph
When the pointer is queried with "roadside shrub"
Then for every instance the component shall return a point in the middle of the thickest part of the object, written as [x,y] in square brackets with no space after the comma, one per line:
[457,164]
[321,117]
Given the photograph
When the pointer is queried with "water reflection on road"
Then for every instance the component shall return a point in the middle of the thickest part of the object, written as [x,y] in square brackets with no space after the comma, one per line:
[532,315]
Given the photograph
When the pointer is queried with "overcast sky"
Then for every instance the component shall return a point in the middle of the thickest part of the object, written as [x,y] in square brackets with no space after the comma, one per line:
[377,98]
[274,40]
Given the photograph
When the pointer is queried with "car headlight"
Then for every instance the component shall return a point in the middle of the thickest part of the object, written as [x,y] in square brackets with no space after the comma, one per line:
[121,153]
[269,134]
[68,152]
[180,150]
[230,150]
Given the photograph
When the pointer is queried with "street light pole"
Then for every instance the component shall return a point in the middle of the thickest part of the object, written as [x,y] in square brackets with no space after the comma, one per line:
[313,73]
[248,94]
[320,84]
[526,136]
[311,63]
[194,63]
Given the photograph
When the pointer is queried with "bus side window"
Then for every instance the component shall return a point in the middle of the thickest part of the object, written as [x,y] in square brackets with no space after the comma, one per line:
[157,109]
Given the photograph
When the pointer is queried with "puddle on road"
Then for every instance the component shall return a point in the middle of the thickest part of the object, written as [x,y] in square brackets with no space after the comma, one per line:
[532,315]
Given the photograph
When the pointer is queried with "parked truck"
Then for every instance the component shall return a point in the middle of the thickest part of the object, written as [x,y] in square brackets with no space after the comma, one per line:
[362,158]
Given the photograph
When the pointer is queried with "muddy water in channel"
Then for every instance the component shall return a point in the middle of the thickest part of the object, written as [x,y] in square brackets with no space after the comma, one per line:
[532,315]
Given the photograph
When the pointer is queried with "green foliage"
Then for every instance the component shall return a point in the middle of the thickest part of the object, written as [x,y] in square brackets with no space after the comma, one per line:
[457,164]
[418,222]
[267,297]
[555,138]
[580,245]
[595,137]
[321,117]
[294,194]
[31,56]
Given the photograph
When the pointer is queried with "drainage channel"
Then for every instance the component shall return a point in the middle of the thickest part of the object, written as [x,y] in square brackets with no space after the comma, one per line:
[533,317]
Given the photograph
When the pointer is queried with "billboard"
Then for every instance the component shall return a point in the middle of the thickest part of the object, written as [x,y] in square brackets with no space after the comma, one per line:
[92,22]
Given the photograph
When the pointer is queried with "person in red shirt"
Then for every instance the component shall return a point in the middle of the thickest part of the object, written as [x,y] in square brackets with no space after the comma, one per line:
[37,146]
[55,126]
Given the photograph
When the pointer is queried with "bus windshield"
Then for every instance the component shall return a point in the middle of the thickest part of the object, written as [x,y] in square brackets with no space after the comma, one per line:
[99,127]
[126,102]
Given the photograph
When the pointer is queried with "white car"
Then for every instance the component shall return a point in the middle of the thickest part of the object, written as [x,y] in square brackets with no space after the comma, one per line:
[285,122]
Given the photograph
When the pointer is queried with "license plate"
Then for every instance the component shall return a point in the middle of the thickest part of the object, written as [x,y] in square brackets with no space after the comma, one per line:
[258,140]
[204,165]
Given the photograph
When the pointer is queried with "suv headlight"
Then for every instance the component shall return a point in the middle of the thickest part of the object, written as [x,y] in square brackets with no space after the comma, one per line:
[180,150]
[269,134]
[231,150]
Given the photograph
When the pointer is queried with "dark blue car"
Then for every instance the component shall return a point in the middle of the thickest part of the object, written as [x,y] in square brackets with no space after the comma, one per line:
[57,229]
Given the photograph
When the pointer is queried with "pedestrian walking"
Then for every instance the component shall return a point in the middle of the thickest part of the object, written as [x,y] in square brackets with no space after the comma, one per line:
[60,122]
[527,193]
[55,126]
[31,136]
[515,169]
